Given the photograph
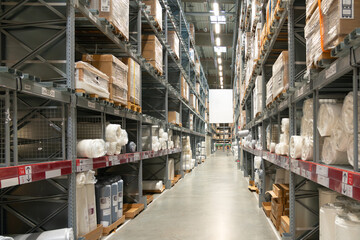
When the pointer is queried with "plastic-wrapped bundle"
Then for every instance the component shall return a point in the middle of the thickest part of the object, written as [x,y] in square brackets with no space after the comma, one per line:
[131,147]
[350,150]
[328,213]
[91,148]
[282,149]
[307,127]
[114,202]
[151,185]
[91,202]
[120,198]
[123,138]
[340,137]
[111,148]
[257,177]
[257,162]
[103,204]
[118,148]
[296,146]
[272,134]
[165,136]
[326,196]
[59,234]
[82,213]
[272,147]
[6,238]
[343,199]
[284,138]
[307,149]
[347,226]
[330,155]
[161,132]
[347,113]
[308,109]
[285,125]
[112,132]
[253,143]
[329,114]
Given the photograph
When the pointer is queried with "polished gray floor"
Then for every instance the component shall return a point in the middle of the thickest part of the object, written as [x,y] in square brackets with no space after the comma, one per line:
[211,203]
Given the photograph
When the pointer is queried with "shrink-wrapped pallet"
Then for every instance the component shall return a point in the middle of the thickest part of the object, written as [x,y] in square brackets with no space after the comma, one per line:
[328,213]
[197,68]
[103,204]
[171,169]
[114,202]
[341,138]
[192,100]
[155,9]
[347,113]
[113,132]
[173,41]
[269,91]
[347,226]
[192,55]
[133,81]
[192,30]
[91,80]
[120,184]
[308,109]
[285,125]
[116,12]
[185,91]
[307,127]
[116,71]
[82,213]
[350,150]
[280,74]
[296,146]
[91,148]
[329,114]
[152,51]
[330,155]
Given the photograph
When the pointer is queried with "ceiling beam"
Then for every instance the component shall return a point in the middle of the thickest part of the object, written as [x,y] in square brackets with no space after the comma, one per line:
[211,1]
[206,14]
[204,39]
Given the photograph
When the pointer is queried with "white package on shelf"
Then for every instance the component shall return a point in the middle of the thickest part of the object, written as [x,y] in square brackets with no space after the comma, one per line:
[82,213]
[284,138]
[103,204]
[327,196]
[151,185]
[6,238]
[350,150]
[330,155]
[347,226]
[328,213]
[329,114]
[111,148]
[308,109]
[285,125]
[307,149]
[91,201]
[59,234]
[123,138]
[257,162]
[91,148]
[296,146]
[341,138]
[282,149]
[347,113]
[112,132]
[307,127]
[272,147]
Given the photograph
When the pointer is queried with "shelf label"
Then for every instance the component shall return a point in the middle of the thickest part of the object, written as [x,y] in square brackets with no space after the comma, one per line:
[322,170]
[47,92]
[297,170]
[9,182]
[137,157]
[330,71]
[27,87]
[91,104]
[347,178]
[116,111]
[347,190]
[323,180]
[53,173]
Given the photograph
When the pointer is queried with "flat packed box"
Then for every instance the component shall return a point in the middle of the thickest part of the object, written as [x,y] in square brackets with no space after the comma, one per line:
[275,221]
[133,80]
[197,67]
[192,100]
[173,41]
[276,207]
[185,91]
[269,92]
[280,74]
[267,208]
[174,117]
[285,223]
[152,51]
[191,121]
[155,9]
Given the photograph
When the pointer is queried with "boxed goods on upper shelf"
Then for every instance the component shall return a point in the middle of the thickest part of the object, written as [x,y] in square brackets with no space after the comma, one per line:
[191,121]
[116,12]
[269,92]
[257,96]
[174,117]
[185,91]
[115,70]
[197,88]
[197,67]
[155,9]
[152,51]
[192,55]
[173,41]
[192,101]
[280,78]
[192,30]
[133,81]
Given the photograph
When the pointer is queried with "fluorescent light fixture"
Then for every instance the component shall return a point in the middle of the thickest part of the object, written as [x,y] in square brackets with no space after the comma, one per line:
[219,61]
[222,87]
[218,41]
[216,9]
[220,74]
[218,19]
[221,78]
[220,68]
[217,28]
[220,49]
[218,53]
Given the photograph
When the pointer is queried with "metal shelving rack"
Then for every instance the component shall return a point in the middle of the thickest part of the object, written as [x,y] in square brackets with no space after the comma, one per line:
[335,80]
[37,76]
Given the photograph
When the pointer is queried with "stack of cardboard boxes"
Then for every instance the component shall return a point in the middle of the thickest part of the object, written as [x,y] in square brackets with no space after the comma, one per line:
[280,206]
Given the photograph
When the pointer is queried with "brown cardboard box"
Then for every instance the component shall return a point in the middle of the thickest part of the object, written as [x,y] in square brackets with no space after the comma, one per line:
[185,93]
[277,189]
[192,101]
[197,88]
[280,74]
[267,208]
[173,117]
[285,223]
[281,231]
[155,9]
[275,221]
[286,208]
[276,207]
[173,41]
[285,189]
[152,51]
[133,80]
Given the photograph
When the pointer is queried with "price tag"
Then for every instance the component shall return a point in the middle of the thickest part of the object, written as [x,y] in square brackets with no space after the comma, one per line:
[116,111]
[322,170]
[25,174]
[323,180]
[303,173]
[297,171]
[347,190]
[137,157]
[308,174]
[330,71]
[347,178]
[47,92]
[91,104]
[27,87]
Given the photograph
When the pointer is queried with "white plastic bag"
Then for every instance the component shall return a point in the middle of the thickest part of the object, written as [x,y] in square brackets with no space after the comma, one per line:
[330,155]
[329,114]
[296,146]
[91,148]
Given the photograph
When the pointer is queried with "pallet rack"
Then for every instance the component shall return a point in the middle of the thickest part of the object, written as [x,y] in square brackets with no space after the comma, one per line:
[37,78]
[335,80]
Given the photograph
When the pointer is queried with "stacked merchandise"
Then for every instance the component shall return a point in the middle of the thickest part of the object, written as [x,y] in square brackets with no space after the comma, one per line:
[201,152]
[152,51]
[116,71]
[272,137]
[258,144]
[171,169]
[192,55]
[192,30]
[163,139]
[170,140]
[174,117]
[269,92]
[193,100]
[258,171]
[91,148]
[173,40]
[197,68]
[280,77]
[307,130]
[282,148]
[185,91]
[279,205]
[153,185]
[116,138]
[257,96]
[191,122]
[133,81]
[155,9]
[177,141]
[188,162]
[235,150]
[109,200]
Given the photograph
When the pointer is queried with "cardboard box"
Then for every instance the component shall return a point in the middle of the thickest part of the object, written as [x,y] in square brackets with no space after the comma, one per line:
[280,74]
[269,91]
[276,207]
[191,121]
[192,100]
[155,9]
[275,221]
[197,88]
[285,223]
[133,81]
[278,191]
[281,231]
[174,117]
[285,190]
[286,210]
[185,91]
[192,30]
[174,43]
[267,208]
[152,51]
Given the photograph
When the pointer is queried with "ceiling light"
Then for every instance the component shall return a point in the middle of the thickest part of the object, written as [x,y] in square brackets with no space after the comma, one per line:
[218,53]
[222,87]
[218,41]
[220,68]
[217,28]
[221,78]
[219,61]
[220,74]
[216,9]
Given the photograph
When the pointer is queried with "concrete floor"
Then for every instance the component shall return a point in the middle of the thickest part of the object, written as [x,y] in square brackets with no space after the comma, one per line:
[212,203]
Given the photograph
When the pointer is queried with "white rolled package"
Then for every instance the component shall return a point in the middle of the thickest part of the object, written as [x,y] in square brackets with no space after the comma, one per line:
[284,138]
[341,138]
[296,146]
[350,150]
[272,147]
[161,132]
[285,125]
[6,238]
[307,149]
[123,138]
[59,234]
[347,226]
[257,162]
[112,132]
[308,109]
[91,148]
[90,198]
[152,185]
[111,148]
[329,114]
[118,148]
[307,127]
[327,196]
[165,136]
[347,113]
[330,155]
[328,213]
[82,212]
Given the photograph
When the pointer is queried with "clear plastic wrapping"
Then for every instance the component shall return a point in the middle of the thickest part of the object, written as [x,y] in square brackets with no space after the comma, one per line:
[307,127]
[350,149]
[347,113]
[328,213]
[91,148]
[285,125]
[280,74]
[296,146]
[307,149]
[341,138]
[329,114]
[155,9]
[269,91]
[173,41]
[330,155]
[347,226]
[133,81]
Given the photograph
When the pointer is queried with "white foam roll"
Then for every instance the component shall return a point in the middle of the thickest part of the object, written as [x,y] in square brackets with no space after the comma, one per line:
[91,148]
[308,109]
[350,150]
[347,113]
[6,238]
[165,136]
[82,213]
[257,162]
[284,149]
[118,148]
[59,234]
[326,196]
[328,115]
[285,125]
[347,226]
[340,137]
[151,185]
[328,213]
[154,138]
[111,148]
[272,147]
[296,146]
[278,149]
[112,132]
[307,127]
[284,138]
[123,138]
[161,132]
[330,155]
[307,149]
[243,133]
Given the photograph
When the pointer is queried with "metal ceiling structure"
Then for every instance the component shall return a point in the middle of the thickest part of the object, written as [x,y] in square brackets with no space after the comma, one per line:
[199,12]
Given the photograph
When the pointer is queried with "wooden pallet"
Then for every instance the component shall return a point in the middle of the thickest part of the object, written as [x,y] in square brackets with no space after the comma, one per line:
[111,228]
[82,91]
[94,234]
[203,160]
[131,210]
[187,171]
[119,104]
[107,101]
[117,32]
[175,180]
[133,107]
[149,199]
[155,191]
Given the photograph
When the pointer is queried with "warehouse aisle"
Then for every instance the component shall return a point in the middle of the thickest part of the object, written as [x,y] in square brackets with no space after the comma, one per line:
[212,202]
